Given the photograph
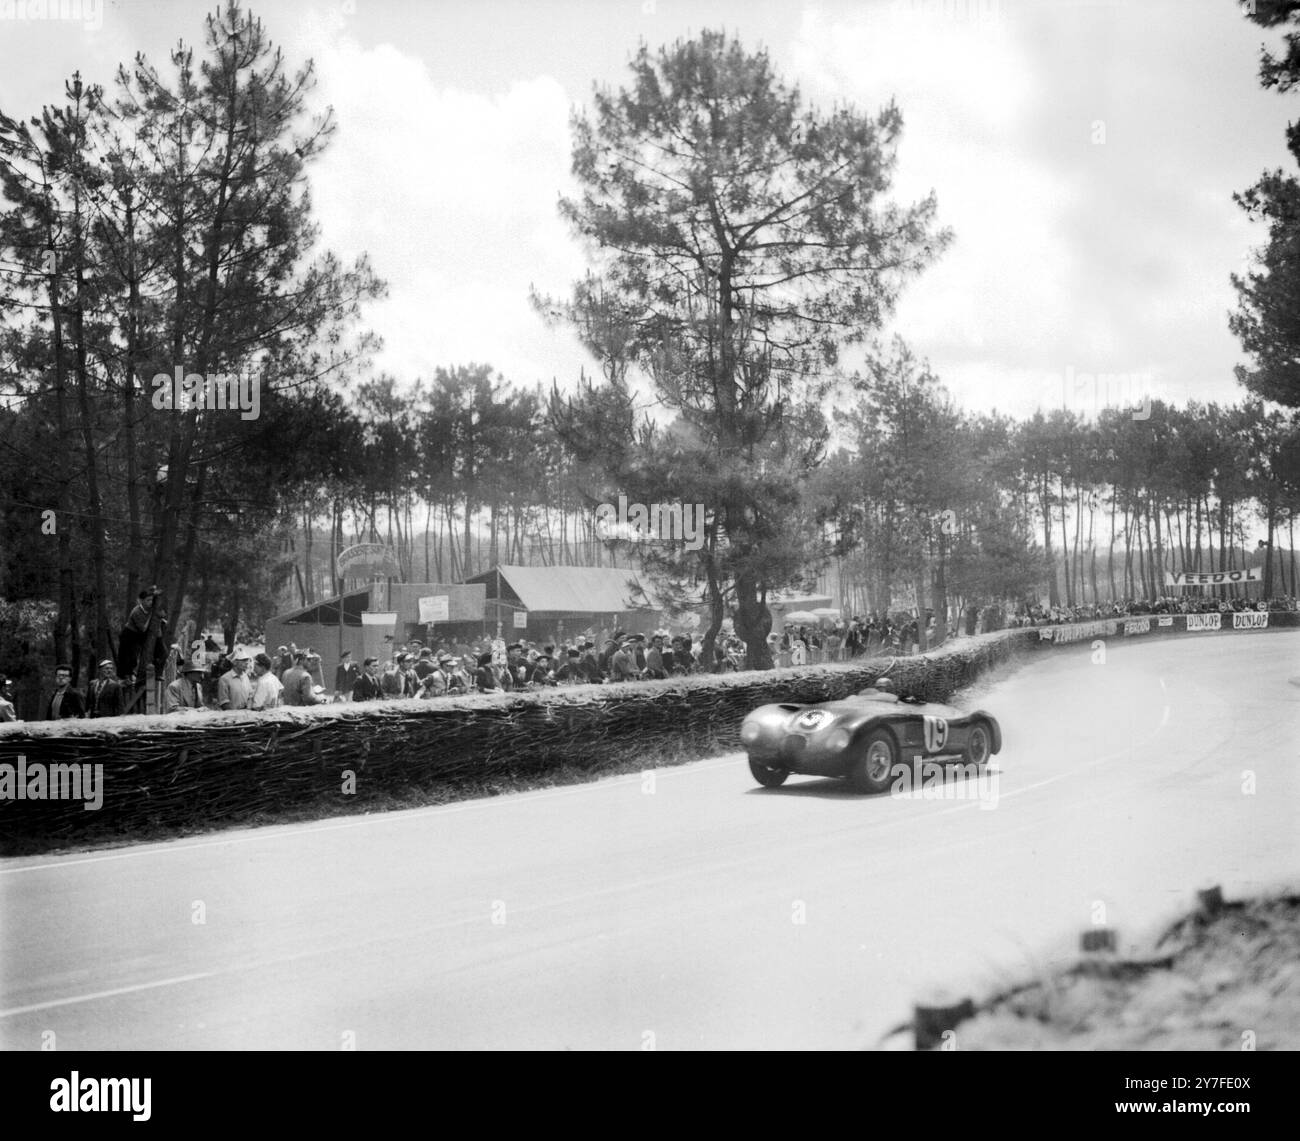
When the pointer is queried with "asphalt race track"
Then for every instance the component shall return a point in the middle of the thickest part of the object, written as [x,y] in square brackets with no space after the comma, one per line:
[687,909]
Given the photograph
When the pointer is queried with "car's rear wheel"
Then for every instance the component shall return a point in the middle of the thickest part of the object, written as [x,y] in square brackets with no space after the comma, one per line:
[874,762]
[769,776]
[979,745]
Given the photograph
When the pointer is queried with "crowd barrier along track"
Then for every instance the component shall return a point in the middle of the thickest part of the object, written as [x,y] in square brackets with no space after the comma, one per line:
[61,781]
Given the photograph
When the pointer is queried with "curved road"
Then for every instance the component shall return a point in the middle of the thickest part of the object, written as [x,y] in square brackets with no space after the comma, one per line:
[687,908]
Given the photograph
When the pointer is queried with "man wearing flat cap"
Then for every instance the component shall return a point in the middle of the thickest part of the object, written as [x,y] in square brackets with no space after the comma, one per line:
[104,698]
[184,694]
[234,688]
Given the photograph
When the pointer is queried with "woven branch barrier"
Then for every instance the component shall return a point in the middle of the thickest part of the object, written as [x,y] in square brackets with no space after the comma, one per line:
[186,771]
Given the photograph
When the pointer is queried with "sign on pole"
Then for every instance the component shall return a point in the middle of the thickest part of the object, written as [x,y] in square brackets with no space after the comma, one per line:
[435,608]
[521,619]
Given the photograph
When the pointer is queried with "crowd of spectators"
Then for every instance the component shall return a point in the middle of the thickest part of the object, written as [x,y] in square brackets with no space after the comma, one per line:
[205,677]
[1040,615]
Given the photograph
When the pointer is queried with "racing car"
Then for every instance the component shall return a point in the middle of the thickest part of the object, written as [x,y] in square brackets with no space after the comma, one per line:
[864,738]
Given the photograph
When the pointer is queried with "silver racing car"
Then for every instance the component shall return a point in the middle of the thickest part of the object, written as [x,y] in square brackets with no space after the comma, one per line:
[864,738]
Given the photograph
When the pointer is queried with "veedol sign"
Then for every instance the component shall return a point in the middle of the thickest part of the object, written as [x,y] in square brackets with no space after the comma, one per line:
[1212,578]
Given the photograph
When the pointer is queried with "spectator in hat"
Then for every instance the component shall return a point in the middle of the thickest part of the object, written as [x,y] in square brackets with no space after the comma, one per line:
[367,687]
[425,665]
[569,671]
[267,688]
[516,667]
[458,679]
[283,662]
[185,693]
[622,664]
[234,688]
[345,677]
[541,671]
[104,697]
[65,702]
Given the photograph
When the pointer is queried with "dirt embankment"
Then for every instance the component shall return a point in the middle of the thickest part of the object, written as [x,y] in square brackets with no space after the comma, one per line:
[1217,980]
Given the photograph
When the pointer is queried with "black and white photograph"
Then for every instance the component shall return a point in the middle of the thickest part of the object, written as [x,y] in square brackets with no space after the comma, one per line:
[635,526]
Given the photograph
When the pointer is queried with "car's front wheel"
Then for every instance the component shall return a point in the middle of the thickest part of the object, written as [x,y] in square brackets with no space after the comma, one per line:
[873,765]
[769,776]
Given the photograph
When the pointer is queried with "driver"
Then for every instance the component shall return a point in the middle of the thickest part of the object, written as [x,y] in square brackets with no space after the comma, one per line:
[882,689]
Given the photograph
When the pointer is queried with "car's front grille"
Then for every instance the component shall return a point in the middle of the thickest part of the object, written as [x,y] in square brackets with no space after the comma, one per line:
[792,747]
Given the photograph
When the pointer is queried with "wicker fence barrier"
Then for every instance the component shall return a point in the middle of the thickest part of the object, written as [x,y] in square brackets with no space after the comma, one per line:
[198,769]
[182,772]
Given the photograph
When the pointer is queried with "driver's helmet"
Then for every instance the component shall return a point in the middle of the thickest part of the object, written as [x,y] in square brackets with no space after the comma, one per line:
[884,684]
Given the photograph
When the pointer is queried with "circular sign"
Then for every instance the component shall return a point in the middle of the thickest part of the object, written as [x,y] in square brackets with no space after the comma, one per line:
[368,560]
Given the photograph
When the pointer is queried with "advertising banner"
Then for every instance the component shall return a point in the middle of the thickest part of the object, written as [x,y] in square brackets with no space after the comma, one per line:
[1250,620]
[1203,622]
[1137,626]
[1084,631]
[1212,578]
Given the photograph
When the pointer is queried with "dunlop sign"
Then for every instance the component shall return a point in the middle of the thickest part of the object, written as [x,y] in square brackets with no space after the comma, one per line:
[1203,622]
[1250,620]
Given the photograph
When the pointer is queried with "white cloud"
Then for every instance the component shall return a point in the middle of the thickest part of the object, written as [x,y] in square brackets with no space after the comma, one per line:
[453,194]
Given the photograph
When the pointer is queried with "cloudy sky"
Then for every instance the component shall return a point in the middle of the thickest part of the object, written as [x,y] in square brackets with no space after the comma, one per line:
[1085,153]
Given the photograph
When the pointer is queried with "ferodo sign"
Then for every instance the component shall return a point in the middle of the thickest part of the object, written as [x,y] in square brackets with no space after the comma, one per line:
[1250,620]
[1203,622]
[1137,626]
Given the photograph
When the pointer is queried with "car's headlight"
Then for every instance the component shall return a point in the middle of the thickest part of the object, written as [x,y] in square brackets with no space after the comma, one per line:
[838,739]
[749,732]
